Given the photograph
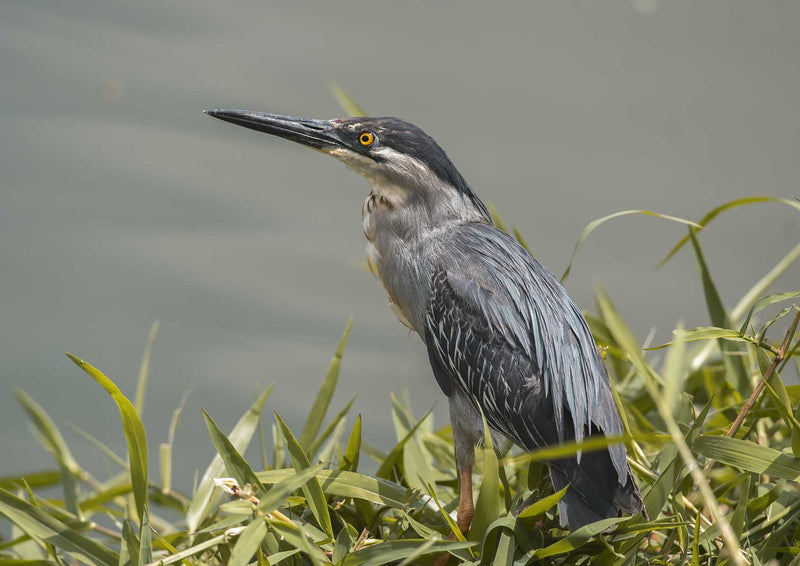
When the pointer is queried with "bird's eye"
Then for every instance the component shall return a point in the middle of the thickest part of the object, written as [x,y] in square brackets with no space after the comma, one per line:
[366,138]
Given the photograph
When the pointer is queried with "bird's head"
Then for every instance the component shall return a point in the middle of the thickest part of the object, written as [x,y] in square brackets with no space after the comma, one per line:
[397,158]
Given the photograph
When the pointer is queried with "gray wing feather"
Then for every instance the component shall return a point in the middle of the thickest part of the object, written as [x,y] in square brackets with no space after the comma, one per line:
[494,305]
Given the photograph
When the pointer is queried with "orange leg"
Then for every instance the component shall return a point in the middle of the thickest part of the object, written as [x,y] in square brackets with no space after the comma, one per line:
[465,510]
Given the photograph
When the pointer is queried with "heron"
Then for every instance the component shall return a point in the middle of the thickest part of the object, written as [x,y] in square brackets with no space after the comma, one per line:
[505,340]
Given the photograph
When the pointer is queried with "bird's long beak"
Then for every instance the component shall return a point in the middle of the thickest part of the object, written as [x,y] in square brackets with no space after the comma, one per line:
[318,134]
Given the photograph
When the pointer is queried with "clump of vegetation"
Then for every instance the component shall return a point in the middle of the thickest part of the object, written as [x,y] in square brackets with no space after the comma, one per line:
[712,431]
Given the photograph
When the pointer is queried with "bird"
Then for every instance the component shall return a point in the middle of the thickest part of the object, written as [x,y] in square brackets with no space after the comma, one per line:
[505,340]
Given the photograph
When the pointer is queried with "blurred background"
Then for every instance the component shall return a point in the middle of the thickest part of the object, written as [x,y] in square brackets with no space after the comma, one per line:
[121,203]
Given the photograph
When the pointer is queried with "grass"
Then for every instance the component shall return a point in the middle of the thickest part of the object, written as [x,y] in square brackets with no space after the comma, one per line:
[712,431]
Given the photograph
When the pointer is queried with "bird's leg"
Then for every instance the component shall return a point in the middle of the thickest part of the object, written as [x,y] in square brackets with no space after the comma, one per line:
[466,508]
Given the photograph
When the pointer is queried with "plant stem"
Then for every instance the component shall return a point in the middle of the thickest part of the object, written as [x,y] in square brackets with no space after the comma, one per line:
[780,355]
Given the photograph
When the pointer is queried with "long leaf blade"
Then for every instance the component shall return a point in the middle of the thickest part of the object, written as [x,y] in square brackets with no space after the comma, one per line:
[206,497]
[134,433]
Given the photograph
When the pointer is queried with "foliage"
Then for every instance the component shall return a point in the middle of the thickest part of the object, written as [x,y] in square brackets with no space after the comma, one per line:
[712,431]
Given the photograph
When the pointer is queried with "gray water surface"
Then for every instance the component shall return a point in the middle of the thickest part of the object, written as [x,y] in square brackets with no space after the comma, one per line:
[121,203]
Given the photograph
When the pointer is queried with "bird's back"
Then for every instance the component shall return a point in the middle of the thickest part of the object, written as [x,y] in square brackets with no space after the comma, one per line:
[503,330]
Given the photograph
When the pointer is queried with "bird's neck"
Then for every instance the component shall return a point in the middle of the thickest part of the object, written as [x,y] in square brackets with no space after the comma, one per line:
[414,214]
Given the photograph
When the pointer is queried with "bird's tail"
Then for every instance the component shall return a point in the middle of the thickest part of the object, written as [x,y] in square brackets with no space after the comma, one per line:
[595,490]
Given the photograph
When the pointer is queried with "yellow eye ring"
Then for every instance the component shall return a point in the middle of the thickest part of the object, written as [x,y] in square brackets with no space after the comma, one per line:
[366,138]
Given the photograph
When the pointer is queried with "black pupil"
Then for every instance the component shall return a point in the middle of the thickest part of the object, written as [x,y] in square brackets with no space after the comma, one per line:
[365,138]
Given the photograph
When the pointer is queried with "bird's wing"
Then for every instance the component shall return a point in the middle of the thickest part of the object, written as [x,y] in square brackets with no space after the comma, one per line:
[503,328]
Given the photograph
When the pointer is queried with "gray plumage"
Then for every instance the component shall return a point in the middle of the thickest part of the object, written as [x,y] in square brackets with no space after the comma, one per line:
[502,334]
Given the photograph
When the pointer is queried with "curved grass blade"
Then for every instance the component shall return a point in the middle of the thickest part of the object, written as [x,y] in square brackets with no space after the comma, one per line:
[709,216]
[33,480]
[594,224]
[417,459]
[496,218]
[281,490]
[393,550]
[235,465]
[325,394]
[628,343]
[144,368]
[299,539]
[312,490]
[165,450]
[206,497]
[749,456]
[735,372]
[763,303]
[543,505]
[54,443]
[134,433]
[352,452]
[192,551]
[40,525]
[335,421]
[577,538]
[345,101]
[248,542]
[351,485]
[385,469]
[105,450]
[749,298]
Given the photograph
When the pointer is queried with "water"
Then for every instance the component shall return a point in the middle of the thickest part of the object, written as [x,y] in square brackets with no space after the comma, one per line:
[122,203]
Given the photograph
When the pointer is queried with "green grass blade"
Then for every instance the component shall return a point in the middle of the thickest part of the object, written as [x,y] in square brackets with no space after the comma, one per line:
[352,485]
[353,451]
[627,342]
[206,497]
[417,459]
[165,465]
[577,538]
[192,550]
[311,489]
[594,224]
[765,302]
[487,508]
[34,480]
[145,541]
[394,550]
[497,220]
[749,456]
[325,434]
[296,537]
[40,525]
[750,297]
[105,450]
[709,216]
[129,544]
[735,372]
[279,557]
[281,490]
[134,433]
[55,444]
[144,368]
[543,505]
[325,394]
[385,469]
[675,370]
[345,101]
[248,542]
[235,465]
